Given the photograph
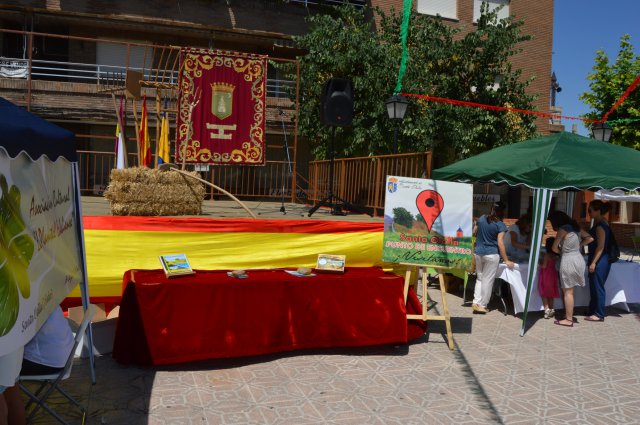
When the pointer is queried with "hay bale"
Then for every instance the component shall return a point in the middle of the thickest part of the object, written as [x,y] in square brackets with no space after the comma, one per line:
[149,191]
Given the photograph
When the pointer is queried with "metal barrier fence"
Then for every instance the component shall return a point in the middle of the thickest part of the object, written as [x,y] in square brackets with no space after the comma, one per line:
[361,181]
[270,181]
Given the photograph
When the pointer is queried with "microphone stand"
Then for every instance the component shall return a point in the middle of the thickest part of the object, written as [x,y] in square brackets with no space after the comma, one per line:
[286,153]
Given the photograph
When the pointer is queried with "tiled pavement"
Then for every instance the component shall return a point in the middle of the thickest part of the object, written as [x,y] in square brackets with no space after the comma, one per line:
[588,374]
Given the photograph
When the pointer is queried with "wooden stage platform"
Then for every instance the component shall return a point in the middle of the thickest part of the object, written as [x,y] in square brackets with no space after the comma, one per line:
[99,206]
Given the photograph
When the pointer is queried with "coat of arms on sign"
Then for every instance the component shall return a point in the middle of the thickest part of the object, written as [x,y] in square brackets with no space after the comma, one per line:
[222,100]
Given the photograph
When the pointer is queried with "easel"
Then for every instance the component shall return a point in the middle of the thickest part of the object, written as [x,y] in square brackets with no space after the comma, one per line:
[443,292]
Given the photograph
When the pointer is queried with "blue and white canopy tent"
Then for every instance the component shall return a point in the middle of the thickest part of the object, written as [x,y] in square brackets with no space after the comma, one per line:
[545,164]
[41,235]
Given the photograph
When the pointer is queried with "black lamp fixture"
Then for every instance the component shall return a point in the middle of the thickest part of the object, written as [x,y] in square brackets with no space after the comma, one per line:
[601,131]
[396,108]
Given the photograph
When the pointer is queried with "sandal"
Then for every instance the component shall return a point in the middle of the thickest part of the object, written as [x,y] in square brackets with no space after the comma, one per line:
[591,319]
[559,323]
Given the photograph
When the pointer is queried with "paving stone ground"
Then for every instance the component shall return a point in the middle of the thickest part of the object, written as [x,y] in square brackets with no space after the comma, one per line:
[588,374]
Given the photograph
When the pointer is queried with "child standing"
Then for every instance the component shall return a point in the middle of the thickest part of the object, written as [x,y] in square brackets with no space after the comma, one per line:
[548,279]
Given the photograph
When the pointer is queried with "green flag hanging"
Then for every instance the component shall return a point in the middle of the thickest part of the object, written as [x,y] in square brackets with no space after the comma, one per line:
[404,31]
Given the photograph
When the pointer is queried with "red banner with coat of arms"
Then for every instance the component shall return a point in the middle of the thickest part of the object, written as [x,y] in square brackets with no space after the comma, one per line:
[221,108]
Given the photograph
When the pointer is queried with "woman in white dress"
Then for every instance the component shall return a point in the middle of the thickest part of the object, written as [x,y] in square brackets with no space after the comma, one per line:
[569,242]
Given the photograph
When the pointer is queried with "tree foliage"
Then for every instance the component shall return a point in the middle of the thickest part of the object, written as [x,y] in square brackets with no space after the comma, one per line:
[403,217]
[443,62]
[607,83]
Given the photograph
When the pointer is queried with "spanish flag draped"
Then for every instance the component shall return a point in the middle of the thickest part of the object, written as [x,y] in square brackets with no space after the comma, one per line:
[117,244]
[145,144]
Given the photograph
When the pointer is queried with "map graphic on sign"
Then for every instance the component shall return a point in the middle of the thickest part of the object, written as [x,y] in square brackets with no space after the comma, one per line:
[428,222]
[430,205]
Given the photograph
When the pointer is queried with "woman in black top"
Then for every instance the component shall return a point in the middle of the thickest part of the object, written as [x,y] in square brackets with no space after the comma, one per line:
[598,260]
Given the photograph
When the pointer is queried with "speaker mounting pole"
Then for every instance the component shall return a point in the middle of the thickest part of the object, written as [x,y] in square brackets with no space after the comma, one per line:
[337,205]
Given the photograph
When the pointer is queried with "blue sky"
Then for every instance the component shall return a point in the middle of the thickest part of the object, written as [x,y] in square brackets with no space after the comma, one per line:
[580,28]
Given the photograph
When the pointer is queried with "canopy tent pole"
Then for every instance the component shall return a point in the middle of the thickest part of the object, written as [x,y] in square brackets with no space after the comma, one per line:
[541,203]
[84,286]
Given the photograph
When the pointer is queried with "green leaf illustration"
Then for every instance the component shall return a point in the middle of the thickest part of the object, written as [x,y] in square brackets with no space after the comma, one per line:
[16,250]
[9,302]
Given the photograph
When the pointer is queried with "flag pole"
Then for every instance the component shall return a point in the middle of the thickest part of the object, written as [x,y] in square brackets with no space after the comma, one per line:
[122,129]
[135,120]
[157,128]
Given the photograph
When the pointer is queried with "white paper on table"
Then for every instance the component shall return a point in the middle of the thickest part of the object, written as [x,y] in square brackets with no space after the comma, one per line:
[295,273]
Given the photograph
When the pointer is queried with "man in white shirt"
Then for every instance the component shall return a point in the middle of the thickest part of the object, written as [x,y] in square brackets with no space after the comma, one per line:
[49,349]
[516,241]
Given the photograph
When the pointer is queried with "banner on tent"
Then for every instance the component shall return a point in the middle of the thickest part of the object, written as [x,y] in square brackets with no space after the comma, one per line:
[40,259]
[428,222]
[221,108]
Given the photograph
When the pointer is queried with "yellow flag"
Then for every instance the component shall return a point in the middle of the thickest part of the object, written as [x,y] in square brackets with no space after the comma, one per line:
[163,149]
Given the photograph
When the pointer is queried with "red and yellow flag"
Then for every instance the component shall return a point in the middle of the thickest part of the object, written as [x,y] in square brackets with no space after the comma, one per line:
[145,144]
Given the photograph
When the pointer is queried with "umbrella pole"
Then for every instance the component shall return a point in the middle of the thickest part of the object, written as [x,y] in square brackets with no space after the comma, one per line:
[541,202]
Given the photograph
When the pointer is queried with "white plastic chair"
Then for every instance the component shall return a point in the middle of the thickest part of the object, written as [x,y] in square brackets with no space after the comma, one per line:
[51,382]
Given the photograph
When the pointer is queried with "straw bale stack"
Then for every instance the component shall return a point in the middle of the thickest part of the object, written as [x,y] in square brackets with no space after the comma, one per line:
[145,191]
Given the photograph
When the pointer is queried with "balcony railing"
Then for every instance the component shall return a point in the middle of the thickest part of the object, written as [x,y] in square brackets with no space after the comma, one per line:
[103,74]
[356,3]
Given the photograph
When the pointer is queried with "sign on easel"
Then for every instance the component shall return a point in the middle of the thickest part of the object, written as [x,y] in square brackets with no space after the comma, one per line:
[428,223]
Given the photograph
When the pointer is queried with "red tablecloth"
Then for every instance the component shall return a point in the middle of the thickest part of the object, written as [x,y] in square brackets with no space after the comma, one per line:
[211,315]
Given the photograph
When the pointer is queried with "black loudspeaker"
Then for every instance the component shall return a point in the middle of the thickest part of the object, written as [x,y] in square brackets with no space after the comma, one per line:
[336,104]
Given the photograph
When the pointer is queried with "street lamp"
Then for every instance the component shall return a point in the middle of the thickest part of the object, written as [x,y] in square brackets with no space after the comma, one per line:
[601,131]
[396,108]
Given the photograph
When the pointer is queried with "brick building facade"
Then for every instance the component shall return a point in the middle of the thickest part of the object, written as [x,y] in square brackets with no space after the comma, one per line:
[83,31]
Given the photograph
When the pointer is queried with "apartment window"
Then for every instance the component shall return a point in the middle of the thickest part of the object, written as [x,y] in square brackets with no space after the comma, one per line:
[493,4]
[444,8]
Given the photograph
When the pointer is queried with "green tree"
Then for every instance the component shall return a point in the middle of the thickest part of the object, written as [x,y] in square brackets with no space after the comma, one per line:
[607,83]
[403,217]
[442,63]
[445,64]
[420,218]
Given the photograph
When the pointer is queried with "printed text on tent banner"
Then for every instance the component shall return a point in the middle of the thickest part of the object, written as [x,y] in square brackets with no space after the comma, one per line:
[428,222]
[227,122]
[40,261]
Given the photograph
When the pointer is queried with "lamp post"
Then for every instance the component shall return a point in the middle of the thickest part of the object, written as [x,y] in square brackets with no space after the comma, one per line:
[396,108]
[601,131]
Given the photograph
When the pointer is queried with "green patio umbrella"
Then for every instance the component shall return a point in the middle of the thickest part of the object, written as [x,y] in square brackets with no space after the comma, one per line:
[548,163]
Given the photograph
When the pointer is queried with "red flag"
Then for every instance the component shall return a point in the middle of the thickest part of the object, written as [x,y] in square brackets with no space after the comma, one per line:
[145,144]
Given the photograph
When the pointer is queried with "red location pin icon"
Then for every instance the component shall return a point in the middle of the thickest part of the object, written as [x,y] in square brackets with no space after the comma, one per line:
[430,204]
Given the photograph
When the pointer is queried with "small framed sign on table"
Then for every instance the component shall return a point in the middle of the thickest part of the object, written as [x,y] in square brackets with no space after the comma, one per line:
[330,263]
[176,265]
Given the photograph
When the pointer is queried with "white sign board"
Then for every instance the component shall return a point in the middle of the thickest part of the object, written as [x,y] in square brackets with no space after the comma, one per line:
[428,222]
[40,259]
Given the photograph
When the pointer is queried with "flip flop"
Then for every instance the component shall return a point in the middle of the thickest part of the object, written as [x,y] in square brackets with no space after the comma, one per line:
[559,323]
[590,319]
